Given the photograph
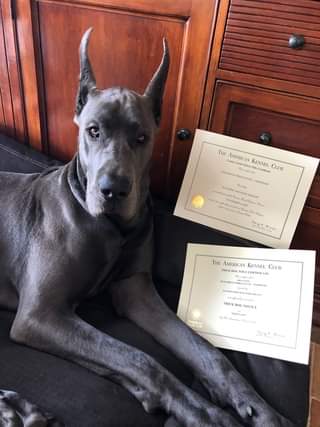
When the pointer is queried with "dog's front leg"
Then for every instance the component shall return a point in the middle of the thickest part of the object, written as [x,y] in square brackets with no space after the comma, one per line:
[137,299]
[64,334]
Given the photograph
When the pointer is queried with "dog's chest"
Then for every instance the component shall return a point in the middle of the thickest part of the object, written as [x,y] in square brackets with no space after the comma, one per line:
[103,253]
[122,256]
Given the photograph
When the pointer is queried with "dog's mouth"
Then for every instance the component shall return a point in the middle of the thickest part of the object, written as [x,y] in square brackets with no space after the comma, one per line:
[98,205]
[106,206]
[111,206]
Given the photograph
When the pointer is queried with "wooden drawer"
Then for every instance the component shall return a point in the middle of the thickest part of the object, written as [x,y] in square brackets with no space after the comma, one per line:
[284,131]
[292,123]
[314,197]
[316,300]
[257,34]
[307,236]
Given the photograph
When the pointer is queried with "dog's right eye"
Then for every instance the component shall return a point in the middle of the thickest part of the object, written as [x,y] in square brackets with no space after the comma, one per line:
[93,131]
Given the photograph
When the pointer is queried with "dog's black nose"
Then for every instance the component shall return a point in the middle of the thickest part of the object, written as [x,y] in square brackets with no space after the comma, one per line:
[114,186]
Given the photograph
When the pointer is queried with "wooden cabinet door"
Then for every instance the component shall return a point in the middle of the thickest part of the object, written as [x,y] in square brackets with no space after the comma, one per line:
[6,113]
[125,49]
[12,120]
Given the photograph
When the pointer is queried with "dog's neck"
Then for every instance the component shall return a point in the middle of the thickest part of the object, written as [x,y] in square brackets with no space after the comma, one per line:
[80,175]
[77,183]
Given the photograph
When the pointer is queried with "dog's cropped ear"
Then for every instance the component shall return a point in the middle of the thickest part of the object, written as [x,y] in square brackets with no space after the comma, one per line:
[155,88]
[87,81]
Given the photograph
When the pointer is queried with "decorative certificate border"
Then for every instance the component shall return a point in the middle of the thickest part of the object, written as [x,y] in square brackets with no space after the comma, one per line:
[228,222]
[202,332]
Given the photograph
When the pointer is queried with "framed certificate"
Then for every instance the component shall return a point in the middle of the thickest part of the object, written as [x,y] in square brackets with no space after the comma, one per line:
[250,190]
[250,299]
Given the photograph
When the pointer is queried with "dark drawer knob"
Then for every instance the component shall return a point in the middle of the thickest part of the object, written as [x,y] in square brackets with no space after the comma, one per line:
[296,41]
[184,134]
[265,138]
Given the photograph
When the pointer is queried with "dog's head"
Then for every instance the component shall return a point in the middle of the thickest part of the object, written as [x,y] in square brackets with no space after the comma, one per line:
[116,132]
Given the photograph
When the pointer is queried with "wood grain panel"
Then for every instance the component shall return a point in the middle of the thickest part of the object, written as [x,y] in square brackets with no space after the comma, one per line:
[315,194]
[273,28]
[262,34]
[6,102]
[315,384]
[178,8]
[293,133]
[276,59]
[266,32]
[314,413]
[125,50]
[2,119]
[266,47]
[246,112]
[309,8]
[285,21]
[316,298]
[10,42]
[28,72]
[307,236]
[249,122]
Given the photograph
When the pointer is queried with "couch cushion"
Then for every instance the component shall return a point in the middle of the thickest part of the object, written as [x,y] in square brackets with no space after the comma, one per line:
[172,234]
[16,157]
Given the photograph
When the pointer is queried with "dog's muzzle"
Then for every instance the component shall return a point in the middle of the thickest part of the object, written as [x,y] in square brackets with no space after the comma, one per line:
[114,187]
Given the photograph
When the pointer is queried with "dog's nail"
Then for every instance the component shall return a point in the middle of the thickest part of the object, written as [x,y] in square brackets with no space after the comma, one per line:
[249,411]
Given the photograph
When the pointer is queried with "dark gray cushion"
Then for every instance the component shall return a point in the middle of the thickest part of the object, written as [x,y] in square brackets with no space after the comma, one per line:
[15,157]
[81,398]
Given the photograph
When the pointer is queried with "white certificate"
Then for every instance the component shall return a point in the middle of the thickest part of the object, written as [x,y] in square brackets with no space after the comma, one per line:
[246,189]
[250,299]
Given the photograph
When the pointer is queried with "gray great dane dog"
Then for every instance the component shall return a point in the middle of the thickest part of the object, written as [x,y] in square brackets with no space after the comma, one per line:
[71,232]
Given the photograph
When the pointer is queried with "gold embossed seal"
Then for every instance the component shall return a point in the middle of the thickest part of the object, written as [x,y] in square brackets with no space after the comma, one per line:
[197,201]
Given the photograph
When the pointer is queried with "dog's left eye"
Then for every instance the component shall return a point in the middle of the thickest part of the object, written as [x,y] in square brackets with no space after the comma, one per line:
[93,131]
[141,139]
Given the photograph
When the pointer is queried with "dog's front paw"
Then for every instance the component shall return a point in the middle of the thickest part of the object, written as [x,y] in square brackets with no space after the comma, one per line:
[262,416]
[171,422]
[271,421]
[208,419]
[18,412]
[250,407]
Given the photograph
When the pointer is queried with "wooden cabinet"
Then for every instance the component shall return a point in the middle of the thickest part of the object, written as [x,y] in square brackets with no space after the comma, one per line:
[125,48]
[264,86]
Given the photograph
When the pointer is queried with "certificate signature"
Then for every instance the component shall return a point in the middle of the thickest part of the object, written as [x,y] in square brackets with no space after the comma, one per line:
[269,334]
[263,228]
